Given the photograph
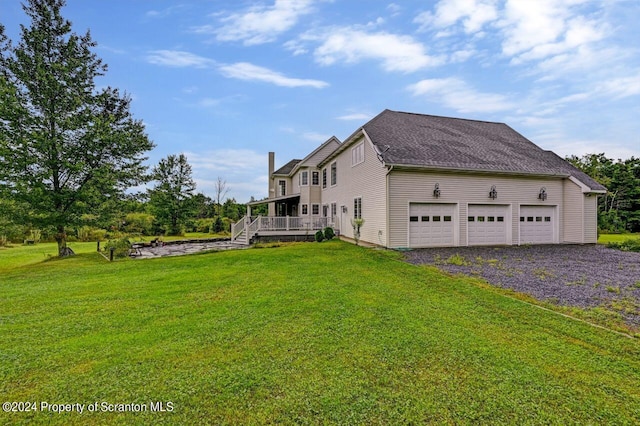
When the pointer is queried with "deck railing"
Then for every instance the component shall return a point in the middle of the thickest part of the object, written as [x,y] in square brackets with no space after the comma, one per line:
[277,223]
[238,228]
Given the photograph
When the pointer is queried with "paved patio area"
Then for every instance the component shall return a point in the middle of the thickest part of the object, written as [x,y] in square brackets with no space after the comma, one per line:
[183,248]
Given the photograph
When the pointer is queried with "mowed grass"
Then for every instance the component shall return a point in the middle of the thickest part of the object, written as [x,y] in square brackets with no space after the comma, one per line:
[303,333]
[616,238]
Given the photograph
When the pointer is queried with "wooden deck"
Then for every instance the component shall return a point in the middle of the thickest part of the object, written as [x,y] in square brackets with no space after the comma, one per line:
[272,227]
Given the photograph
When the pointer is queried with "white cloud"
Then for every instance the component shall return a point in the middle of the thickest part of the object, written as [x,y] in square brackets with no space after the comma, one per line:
[178,59]
[315,137]
[552,28]
[259,24]
[458,95]
[352,45]
[245,171]
[247,71]
[473,14]
[355,117]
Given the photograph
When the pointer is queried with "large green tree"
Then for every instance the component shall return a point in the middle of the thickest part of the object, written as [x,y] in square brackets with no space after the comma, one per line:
[172,198]
[619,208]
[65,147]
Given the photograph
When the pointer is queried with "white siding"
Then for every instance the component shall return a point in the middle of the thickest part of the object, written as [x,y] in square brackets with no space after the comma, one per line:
[407,187]
[366,180]
[572,216]
[590,219]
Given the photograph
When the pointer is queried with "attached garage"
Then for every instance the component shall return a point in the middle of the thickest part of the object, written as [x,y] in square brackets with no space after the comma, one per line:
[431,225]
[487,224]
[537,224]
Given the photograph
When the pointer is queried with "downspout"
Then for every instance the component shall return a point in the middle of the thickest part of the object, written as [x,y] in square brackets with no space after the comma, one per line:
[388,236]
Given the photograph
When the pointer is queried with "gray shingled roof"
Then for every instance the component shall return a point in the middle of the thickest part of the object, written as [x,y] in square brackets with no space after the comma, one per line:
[453,143]
[286,169]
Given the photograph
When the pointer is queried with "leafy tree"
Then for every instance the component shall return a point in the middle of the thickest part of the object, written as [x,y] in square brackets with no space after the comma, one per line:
[65,147]
[171,200]
[619,208]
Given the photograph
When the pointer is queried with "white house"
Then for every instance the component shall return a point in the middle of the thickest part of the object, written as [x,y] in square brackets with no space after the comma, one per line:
[426,181]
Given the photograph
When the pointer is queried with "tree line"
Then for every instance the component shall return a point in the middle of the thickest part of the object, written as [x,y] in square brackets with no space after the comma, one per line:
[619,208]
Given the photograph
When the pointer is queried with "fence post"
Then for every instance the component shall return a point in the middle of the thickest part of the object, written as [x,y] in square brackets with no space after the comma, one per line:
[98,249]
[111,254]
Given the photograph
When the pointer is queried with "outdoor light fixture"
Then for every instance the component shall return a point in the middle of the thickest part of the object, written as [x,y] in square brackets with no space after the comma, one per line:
[436,190]
[493,194]
[543,194]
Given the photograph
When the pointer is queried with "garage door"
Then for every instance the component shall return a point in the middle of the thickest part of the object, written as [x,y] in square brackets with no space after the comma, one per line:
[487,225]
[537,224]
[431,225]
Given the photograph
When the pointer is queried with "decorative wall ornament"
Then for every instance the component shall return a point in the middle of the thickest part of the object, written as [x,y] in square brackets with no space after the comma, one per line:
[493,194]
[436,190]
[542,195]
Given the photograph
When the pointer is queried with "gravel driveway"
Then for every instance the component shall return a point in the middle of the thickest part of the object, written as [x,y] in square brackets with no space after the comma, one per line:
[572,275]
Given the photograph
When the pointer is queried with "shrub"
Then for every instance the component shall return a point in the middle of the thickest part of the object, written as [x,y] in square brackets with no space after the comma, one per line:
[203,225]
[631,244]
[120,247]
[88,233]
[217,226]
[319,236]
[328,233]
[139,223]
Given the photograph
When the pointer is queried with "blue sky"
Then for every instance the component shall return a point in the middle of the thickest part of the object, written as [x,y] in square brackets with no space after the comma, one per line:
[225,82]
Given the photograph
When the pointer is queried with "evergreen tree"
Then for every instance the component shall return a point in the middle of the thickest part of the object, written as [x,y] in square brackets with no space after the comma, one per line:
[65,147]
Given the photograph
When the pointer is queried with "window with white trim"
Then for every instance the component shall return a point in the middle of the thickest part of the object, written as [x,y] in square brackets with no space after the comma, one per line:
[304,178]
[305,209]
[357,154]
[282,185]
[325,210]
[334,209]
[315,178]
[334,173]
[315,209]
[357,208]
[324,178]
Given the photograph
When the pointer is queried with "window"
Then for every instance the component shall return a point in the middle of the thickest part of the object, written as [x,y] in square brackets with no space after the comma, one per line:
[436,218]
[500,218]
[480,218]
[425,218]
[547,218]
[282,184]
[521,218]
[315,178]
[305,209]
[491,219]
[324,178]
[304,178]
[315,208]
[357,154]
[529,218]
[413,218]
[325,210]
[334,210]
[471,219]
[447,218]
[334,173]
[357,208]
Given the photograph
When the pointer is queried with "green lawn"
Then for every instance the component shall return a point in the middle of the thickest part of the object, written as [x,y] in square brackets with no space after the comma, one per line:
[303,333]
[616,238]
